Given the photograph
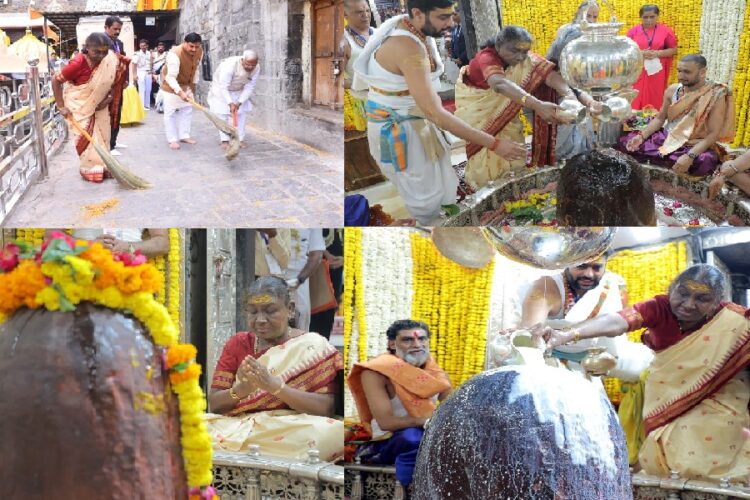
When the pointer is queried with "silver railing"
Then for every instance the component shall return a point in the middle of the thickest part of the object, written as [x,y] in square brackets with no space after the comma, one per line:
[378,482]
[252,476]
[27,112]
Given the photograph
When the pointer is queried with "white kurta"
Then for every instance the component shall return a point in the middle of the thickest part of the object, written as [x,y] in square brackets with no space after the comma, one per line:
[303,241]
[144,68]
[232,83]
[425,184]
[177,113]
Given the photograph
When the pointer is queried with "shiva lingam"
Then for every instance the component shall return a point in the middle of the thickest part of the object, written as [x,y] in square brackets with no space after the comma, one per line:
[605,65]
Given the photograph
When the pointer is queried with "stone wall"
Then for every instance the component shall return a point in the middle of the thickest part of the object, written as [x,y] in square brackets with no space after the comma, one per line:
[274,29]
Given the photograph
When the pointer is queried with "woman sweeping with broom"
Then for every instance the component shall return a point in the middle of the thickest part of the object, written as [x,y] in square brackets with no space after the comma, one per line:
[84,91]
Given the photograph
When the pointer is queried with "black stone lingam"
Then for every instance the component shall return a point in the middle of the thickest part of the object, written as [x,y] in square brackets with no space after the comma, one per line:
[524,432]
[604,188]
[86,410]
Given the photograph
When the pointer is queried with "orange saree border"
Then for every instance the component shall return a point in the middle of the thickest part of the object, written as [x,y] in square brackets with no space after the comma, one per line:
[535,78]
[734,361]
[307,378]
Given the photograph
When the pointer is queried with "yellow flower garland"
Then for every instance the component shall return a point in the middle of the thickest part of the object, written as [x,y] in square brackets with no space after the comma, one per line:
[454,301]
[647,273]
[352,277]
[90,273]
[741,86]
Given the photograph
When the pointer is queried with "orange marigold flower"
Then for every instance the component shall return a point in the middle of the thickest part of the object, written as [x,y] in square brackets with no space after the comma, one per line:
[20,286]
[192,372]
[180,353]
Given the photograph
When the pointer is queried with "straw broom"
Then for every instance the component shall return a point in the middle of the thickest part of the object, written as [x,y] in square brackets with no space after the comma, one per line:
[125,177]
[234,143]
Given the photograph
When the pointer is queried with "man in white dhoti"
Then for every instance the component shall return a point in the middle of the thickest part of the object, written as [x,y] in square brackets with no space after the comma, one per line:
[179,77]
[577,294]
[406,119]
[143,64]
[233,85]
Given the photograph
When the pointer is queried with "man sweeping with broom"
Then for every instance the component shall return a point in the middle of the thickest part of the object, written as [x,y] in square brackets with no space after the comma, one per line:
[84,91]
[179,77]
[232,86]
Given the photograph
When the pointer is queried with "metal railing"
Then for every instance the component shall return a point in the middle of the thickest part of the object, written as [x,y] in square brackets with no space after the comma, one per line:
[252,476]
[27,113]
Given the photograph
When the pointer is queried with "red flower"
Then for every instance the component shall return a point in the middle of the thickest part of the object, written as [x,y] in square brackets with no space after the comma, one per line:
[694,222]
[676,204]
[668,211]
[9,257]
[130,260]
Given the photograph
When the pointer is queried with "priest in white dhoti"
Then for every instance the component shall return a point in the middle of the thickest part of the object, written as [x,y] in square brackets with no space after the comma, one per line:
[233,85]
[179,78]
[575,295]
[402,67]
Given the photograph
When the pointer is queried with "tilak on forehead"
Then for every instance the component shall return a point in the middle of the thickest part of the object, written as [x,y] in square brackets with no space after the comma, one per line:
[695,286]
[416,333]
[264,298]
[523,45]
[446,10]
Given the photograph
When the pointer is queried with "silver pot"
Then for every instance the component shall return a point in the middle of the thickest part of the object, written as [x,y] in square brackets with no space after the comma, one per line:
[572,111]
[601,62]
[616,109]
[551,247]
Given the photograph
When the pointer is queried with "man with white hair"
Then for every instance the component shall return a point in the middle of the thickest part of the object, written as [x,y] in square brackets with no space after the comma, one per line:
[232,86]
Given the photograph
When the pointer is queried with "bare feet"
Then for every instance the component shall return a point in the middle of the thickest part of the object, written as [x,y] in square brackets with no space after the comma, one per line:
[243,144]
[224,145]
[174,145]
[188,141]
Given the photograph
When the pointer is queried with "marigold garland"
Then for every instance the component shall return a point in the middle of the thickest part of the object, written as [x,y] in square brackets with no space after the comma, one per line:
[454,302]
[63,273]
[352,275]
[647,272]
[741,86]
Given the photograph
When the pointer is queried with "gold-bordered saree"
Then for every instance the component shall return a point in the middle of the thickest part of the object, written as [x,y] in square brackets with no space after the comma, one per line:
[308,363]
[497,115]
[696,402]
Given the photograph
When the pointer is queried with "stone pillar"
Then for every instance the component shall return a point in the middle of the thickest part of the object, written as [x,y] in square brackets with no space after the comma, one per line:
[481,20]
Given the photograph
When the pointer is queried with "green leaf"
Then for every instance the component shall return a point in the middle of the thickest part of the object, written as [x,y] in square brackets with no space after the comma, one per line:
[451,210]
[65,304]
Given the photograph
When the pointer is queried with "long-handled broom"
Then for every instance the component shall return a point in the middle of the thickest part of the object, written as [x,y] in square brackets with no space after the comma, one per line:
[124,177]
[234,144]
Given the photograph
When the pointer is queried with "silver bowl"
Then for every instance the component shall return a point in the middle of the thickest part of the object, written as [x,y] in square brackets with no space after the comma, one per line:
[551,247]
[616,109]
[466,246]
[573,111]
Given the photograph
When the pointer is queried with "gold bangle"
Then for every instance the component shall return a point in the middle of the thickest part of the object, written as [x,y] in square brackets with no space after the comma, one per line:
[233,394]
[523,100]
[576,335]
[283,384]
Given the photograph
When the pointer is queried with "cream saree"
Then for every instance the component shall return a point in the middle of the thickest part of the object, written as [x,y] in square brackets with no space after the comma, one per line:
[305,363]
[696,403]
[82,101]
[497,115]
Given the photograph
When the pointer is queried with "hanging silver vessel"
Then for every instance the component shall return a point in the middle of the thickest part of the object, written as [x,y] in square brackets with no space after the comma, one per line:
[551,247]
[601,62]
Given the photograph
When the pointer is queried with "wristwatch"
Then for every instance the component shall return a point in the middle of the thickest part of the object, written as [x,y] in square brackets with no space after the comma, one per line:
[692,155]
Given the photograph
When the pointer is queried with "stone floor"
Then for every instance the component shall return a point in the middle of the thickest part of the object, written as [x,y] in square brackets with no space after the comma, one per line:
[275,182]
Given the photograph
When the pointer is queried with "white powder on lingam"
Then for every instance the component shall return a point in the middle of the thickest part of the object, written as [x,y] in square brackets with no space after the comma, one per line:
[583,430]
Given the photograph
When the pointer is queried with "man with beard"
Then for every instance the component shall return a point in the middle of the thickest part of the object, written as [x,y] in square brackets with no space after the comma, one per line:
[396,393]
[695,115]
[405,116]
[580,293]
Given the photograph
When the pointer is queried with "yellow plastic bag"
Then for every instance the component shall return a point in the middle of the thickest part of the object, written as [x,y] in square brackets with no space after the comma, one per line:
[132,107]
[631,415]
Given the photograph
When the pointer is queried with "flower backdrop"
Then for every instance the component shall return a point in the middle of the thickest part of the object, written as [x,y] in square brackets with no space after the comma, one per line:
[398,273]
[715,28]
